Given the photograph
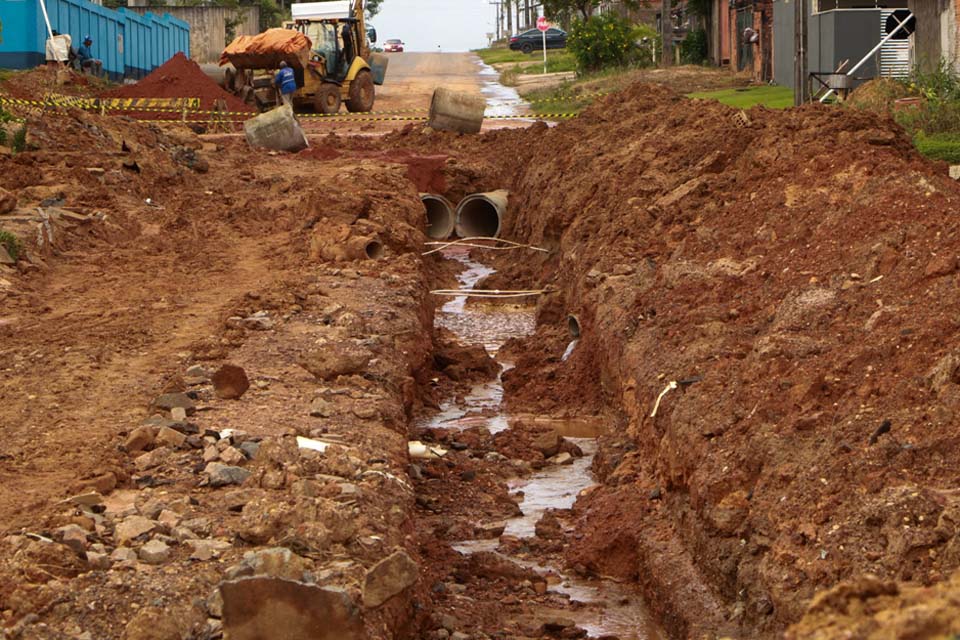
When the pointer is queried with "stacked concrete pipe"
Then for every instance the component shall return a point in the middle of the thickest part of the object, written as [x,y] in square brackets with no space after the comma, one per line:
[482,214]
[441,217]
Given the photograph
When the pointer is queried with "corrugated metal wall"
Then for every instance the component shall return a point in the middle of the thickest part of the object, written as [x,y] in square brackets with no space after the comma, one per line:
[128,44]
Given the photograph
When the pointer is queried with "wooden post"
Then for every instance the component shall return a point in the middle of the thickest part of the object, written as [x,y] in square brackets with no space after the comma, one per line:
[666,33]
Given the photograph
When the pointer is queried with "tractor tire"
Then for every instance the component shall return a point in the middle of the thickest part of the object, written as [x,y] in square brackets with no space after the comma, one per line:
[526,48]
[327,99]
[361,93]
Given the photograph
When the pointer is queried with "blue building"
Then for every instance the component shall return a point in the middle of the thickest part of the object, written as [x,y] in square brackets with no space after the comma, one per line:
[129,44]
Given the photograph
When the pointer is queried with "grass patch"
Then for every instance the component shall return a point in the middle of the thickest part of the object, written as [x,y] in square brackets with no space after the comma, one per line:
[939,146]
[768,96]
[558,60]
[11,243]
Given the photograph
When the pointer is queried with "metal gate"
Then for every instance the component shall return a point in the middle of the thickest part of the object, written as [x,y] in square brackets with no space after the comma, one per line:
[745,54]
[895,55]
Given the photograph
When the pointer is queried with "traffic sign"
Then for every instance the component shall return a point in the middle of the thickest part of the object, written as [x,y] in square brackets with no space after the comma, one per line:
[542,23]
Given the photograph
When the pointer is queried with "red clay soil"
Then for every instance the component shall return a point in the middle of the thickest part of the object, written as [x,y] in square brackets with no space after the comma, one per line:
[797,275]
[179,77]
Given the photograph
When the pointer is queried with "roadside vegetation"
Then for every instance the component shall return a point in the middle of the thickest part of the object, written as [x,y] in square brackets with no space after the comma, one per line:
[926,105]
[770,96]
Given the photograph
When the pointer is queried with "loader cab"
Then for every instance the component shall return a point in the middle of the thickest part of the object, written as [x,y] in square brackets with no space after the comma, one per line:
[335,44]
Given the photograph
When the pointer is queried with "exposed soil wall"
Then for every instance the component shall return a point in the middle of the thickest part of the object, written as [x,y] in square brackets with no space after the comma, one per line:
[796,273]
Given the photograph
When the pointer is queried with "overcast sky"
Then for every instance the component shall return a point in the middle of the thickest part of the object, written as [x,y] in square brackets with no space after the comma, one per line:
[454,25]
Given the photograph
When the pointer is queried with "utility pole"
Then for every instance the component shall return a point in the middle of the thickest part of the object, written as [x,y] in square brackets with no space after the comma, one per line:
[496,3]
[800,52]
[666,33]
[509,4]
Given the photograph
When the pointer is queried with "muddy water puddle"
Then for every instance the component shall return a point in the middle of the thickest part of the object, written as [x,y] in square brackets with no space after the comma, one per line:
[612,609]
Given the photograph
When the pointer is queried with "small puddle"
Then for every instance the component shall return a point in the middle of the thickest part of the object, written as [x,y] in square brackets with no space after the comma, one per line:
[613,609]
[501,100]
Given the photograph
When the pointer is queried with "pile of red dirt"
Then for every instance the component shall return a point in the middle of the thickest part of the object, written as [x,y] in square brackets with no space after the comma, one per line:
[179,77]
[795,273]
[42,81]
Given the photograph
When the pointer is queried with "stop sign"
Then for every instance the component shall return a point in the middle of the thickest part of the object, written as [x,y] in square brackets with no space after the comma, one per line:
[542,23]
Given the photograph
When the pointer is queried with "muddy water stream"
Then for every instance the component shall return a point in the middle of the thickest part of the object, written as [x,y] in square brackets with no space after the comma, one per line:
[616,609]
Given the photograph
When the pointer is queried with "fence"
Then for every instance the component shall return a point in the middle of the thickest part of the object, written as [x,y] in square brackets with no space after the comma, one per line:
[130,45]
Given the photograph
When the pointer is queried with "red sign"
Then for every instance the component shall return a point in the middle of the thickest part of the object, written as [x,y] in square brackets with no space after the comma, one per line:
[542,23]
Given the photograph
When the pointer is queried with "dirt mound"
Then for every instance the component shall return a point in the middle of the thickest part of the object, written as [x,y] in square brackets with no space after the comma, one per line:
[878,95]
[780,272]
[179,77]
[872,608]
[42,81]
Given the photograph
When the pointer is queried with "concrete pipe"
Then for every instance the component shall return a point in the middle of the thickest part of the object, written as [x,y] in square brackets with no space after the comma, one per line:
[364,248]
[217,73]
[455,111]
[482,214]
[441,218]
[573,326]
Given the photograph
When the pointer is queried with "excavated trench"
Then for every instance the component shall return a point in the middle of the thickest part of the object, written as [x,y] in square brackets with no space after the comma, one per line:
[598,608]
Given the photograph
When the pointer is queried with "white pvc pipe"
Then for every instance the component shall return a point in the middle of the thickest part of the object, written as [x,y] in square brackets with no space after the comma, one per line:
[890,35]
[46,18]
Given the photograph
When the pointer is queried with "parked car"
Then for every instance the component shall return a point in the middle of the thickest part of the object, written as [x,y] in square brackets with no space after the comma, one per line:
[530,41]
[393,45]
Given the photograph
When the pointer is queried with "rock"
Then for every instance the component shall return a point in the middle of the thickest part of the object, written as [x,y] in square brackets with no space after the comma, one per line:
[178,414]
[459,635]
[334,359]
[5,257]
[154,552]
[232,455]
[170,400]
[211,453]
[214,604]
[8,201]
[321,408]
[98,560]
[204,550]
[389,577]
[562,458]
[942,265]
[546,442]
[74,536]
[196,375]
[230,382]
[168,437]
[260,607]
[276,562]
[151,459]
[250,449]
[260,321]
[132,528]
[222,475]
[140,439]
[124,556]
[493,565]
[169,519]
[103,483]
[489,530]
[548,527]
[86,499]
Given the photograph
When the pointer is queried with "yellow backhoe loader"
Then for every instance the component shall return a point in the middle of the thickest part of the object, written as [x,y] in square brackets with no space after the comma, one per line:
[333,65]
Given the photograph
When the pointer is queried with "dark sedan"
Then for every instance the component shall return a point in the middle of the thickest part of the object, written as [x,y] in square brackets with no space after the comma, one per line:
[531,40]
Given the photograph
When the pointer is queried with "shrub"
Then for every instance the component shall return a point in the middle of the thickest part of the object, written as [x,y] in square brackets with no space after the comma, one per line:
[648,45]
[693,50]
[602,41]
[944,146]
[11,243]
[19,140]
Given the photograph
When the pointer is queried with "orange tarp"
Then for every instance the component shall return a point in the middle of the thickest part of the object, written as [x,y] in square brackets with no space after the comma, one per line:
[267,50]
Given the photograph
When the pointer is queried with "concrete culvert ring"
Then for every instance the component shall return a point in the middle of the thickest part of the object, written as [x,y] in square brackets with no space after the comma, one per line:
[573,325]
[440,216]
[481,214]
[374,249]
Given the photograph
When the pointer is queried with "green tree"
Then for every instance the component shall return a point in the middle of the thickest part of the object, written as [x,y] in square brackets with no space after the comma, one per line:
[566,11]
[602,41]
